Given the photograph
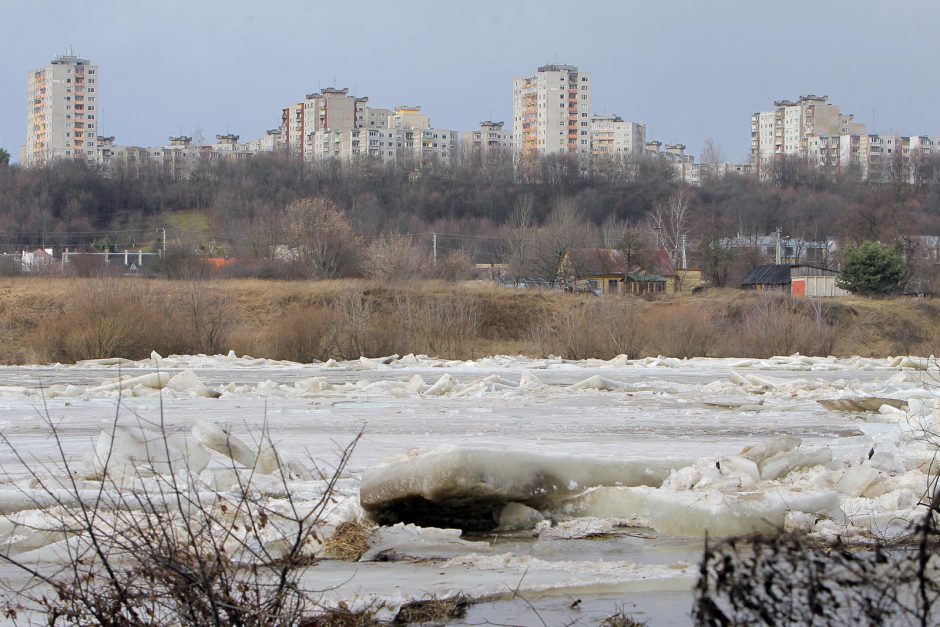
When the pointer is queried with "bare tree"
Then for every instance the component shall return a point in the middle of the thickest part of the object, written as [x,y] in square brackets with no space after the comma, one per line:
[521,234]
[613,230]
[322,238]
[711,159]
[560,242]
[671,221]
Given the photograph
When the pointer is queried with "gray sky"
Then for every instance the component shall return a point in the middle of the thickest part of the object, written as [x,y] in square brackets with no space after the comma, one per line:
[688,69]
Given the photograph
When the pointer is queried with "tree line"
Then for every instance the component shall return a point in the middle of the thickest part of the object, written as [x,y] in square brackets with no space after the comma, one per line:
[491,207]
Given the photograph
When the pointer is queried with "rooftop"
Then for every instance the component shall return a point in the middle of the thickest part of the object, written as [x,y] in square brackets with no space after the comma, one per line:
[554,67]
[69,59]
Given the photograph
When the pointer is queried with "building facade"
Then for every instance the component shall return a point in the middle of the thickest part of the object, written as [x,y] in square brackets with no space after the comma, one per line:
[552,112]
[331,109]
[354,143]
[62,112]
[794,128]
[489,137]
[612,136]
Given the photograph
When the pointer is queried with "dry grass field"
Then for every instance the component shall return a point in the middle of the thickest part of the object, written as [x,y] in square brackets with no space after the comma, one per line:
[50,319]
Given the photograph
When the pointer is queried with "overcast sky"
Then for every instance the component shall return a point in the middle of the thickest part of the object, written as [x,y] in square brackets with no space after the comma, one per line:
[690,69]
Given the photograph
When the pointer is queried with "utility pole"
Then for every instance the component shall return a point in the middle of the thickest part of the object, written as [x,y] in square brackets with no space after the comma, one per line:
[434,248]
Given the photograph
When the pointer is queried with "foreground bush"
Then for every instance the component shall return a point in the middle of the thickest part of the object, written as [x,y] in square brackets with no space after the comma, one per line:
[792,580]
[148,540]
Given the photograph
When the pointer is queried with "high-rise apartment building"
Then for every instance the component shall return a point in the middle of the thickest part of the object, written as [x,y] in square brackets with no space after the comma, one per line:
[790,128]
[489,137]
[551,112]
[612,136]
[331,109]
[62,112]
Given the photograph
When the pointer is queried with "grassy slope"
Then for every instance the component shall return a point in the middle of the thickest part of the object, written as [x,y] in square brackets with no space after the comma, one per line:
[864,327]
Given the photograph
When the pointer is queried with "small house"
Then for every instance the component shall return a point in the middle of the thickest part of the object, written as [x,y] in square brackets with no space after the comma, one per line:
[609,271]
[800,280]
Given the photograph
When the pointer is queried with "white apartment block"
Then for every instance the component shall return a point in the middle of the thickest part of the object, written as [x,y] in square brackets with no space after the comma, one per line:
[62,112]
[875,158]
[331,109]
[407,133]
[427,145]
[370,117]
[551,112]
[792,127]
[351,144]
[269,142]
[489,137]
[292,128]
[612,136]
[228,148]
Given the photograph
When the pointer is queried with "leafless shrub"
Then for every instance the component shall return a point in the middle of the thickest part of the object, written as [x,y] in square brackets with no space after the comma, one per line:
[116,318]
[180,261]
[107,320]
[366,330]
[151,543]
[791,580]
[209,317]
[304,334]
[601,329]
[395,257]
[781,325]
[85,265]
[445,327]
[680,331]
[455,266]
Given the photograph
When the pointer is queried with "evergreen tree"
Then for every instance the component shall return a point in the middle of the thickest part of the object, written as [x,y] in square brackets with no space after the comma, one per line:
[872,269]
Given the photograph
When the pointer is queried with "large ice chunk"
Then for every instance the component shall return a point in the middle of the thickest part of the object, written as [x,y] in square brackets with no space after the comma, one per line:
[135,451]
[468,488]
[696,514]
[264,458]
[154,380]
[861,403]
